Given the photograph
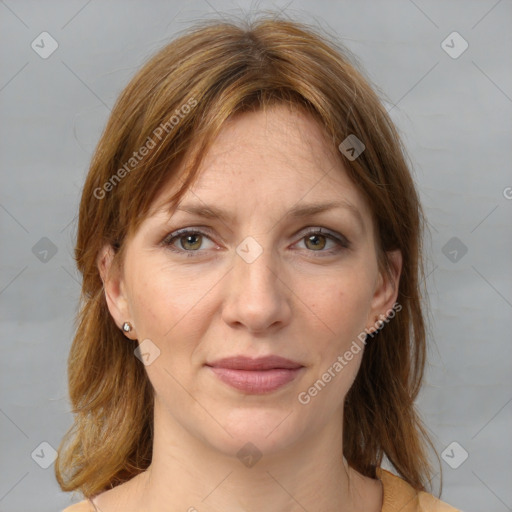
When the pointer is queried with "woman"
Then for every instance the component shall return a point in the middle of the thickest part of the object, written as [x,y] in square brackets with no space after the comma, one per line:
[251,335]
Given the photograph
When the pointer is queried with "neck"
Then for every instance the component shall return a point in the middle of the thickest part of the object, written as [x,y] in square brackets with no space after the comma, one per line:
[188,475]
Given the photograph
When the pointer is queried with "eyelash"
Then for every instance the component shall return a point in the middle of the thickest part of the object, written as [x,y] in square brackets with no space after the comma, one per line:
[341,241]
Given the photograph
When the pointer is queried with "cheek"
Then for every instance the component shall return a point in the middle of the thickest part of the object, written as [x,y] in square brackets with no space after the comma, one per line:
[167,310]
[340,310]
[339,304]
[165,300]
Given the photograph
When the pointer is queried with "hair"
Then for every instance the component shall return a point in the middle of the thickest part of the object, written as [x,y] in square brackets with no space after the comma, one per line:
[188,90]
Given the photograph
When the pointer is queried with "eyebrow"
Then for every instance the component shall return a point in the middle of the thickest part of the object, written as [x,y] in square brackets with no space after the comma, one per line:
[297,212]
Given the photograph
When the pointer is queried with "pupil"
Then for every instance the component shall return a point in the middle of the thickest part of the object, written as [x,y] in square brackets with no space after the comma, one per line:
[188,239]
[317,243]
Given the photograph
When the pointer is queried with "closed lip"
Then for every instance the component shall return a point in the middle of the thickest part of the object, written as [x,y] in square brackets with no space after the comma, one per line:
[270,362]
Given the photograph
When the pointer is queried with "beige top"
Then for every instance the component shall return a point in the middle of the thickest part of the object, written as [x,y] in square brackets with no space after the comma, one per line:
[399,496]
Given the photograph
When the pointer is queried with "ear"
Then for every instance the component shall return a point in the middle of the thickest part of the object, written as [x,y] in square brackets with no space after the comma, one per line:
[115,292]
[386,290]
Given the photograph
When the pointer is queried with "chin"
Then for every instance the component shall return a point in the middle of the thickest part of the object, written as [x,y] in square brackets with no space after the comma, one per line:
[263,429]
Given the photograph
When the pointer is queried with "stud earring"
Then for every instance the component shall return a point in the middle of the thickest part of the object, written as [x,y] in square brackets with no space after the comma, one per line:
[127,327]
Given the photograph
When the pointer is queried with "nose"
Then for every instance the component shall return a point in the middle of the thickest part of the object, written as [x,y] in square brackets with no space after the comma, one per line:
[256,298]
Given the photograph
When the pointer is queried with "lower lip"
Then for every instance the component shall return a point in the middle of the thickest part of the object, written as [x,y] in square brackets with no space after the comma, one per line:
[256,381]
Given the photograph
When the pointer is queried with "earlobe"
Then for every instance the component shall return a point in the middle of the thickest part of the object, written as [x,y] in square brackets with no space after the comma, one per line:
[113,286]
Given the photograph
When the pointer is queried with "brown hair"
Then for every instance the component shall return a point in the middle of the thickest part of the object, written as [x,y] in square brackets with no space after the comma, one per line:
[174,107]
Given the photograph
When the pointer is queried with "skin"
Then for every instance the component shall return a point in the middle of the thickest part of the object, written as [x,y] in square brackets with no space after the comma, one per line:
[300,300]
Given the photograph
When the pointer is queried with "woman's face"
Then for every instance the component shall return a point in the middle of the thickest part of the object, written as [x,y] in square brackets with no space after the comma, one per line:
[260,281]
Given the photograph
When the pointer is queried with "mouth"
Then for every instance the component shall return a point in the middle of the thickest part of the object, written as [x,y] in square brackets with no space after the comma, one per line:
[256,376]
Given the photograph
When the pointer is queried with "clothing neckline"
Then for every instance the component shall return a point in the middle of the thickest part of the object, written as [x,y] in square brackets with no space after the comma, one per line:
[389,495]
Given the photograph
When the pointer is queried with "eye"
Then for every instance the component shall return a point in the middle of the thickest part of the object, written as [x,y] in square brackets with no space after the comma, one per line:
[316,240]
[188,240]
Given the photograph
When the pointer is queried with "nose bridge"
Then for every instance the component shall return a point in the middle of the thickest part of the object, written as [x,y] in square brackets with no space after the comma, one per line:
[253,270]
[256,298]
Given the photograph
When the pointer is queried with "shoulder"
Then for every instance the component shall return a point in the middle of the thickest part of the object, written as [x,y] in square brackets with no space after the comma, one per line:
[401,496]
[82,506]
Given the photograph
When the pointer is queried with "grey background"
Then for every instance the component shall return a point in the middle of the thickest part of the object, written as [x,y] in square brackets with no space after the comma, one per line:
[455,117]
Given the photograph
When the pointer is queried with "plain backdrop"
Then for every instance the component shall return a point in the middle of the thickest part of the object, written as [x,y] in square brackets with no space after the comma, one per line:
[454,112]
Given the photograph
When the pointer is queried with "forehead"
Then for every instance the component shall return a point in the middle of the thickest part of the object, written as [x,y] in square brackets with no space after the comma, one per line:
[271,160]
[277,143]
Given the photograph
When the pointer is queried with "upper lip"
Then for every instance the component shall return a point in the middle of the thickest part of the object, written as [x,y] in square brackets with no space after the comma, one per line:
[260,363]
